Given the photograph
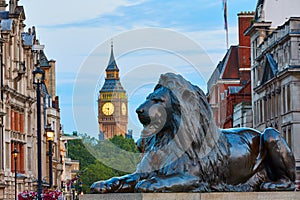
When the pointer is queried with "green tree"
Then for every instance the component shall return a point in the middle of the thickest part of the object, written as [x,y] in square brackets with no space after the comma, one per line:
[78,151]
[95,172]
[101,160]
[124,143]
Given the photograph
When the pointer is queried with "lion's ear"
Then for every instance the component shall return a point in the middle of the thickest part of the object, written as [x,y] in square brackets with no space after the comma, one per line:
[157,86]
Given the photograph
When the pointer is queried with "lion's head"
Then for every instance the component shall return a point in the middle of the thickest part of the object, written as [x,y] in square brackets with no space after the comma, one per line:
[177,112]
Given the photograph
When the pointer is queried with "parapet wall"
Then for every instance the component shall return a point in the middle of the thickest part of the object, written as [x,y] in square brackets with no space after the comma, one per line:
[194,196]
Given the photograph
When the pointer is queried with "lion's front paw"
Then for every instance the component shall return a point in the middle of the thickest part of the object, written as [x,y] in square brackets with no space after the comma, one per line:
[281,185]
[99,187]
[146,186]
[107,186]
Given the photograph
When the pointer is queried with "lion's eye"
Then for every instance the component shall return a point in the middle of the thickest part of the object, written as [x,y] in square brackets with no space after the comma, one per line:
[157,100]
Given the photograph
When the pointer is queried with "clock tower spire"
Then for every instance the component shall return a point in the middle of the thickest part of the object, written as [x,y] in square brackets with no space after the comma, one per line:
[112,103]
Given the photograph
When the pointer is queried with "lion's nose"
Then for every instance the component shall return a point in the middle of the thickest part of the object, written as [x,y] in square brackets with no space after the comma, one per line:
[139,110]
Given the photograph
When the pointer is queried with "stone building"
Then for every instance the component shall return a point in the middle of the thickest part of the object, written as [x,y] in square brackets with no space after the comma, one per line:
[70,167]
[275,68]
[230,82]
[18,105]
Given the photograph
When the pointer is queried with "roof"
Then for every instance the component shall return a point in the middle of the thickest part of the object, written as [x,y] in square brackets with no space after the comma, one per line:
[66,137]
[19,10]
[231,68]
[112,85]
[271,68]
[112,65]
[228,68]
[6,24]
[259,3]
[27,39]
[4,14]
[44,60]
[44,89]
[234,89]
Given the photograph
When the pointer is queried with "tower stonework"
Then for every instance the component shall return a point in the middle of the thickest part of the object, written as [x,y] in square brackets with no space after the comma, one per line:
[112,103]
[3,5]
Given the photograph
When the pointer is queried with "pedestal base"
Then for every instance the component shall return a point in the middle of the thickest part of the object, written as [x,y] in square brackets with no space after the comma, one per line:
[198,196]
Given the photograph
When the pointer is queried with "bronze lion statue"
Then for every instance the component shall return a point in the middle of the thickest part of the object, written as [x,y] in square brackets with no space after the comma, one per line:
[183,150]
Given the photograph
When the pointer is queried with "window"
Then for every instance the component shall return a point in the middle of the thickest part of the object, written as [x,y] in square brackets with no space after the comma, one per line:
[7,122]
[288,98]
[12,120]
[268,104]
[289,136]
[29,158]
[7,153]
[222,96]
[260,111]
[28,123]
[113,129]
[13,167]
[283,100]
[16,121]
[21,119]
[20,160]
[265,111]
[299,50]
[273,106]
[276,105]
[255,113]
[282,133]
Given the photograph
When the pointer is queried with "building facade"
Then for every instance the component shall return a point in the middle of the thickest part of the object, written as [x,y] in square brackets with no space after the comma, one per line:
[230,82]
[112,103]
[70,167]
[18,104]
[275,60]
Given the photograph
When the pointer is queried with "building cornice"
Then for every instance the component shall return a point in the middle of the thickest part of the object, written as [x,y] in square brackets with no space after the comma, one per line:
[252,29]
[229,81]
[18,95]
[245,69]
[275,44]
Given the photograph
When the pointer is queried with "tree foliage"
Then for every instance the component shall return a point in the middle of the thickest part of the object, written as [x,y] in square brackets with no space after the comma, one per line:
[101,160]
[77,151]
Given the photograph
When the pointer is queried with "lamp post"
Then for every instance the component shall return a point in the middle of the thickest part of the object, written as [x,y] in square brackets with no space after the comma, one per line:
[15,154]
[80,187]
[38,79]
[50,138]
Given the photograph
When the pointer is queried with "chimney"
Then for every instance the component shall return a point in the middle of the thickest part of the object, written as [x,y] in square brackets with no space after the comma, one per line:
[12,6]
[244,21]
[3,5]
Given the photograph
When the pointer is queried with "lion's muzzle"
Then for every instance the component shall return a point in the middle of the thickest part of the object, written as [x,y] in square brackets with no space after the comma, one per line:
[143,115]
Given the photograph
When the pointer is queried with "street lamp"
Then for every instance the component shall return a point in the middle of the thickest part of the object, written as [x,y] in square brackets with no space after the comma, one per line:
[80,187]
[50,138]
[15,154]
[38,79]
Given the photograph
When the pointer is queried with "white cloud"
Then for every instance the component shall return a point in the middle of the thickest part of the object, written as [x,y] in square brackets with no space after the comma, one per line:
[49,12]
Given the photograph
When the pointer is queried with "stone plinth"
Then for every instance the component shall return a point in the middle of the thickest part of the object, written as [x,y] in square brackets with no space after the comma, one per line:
[198,196]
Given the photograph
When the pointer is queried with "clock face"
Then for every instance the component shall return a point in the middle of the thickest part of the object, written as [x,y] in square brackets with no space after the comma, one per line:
[108,108]
[123,108]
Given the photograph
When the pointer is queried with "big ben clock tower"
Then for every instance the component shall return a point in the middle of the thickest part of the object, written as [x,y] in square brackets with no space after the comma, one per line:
[112,103]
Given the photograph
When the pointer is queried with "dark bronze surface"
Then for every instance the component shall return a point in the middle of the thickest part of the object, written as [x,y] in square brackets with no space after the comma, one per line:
[183,150]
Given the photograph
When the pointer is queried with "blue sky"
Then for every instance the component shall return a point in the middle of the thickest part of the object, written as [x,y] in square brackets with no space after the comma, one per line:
[150,37]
